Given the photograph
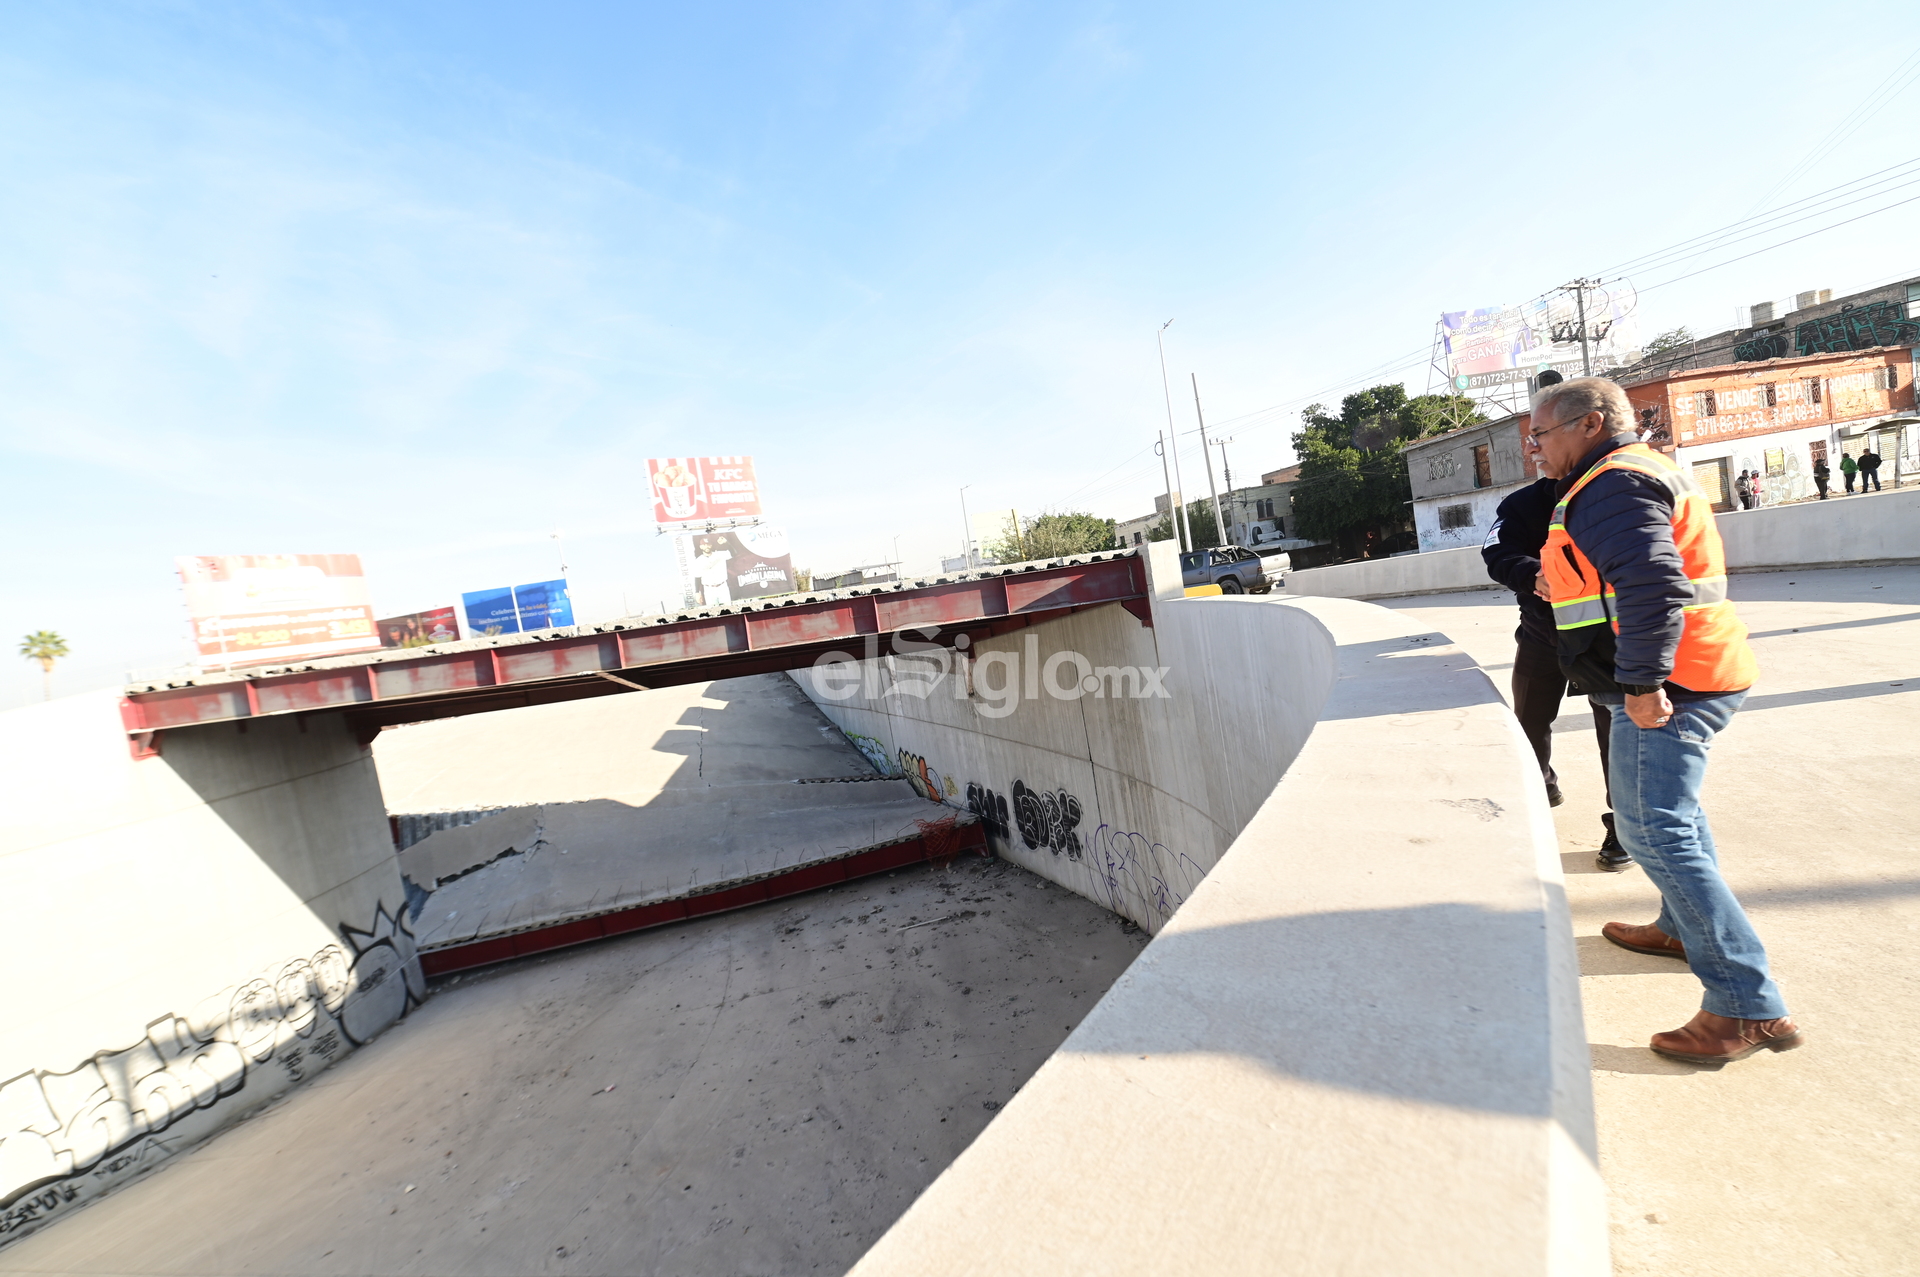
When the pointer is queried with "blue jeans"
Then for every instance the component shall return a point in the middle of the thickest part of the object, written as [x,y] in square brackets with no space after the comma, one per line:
[1656,775]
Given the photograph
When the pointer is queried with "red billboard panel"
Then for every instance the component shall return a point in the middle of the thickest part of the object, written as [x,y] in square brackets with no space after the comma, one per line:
[702,489]
[418,629]
[253,609]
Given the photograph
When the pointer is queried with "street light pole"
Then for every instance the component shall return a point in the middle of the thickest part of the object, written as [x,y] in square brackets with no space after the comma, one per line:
[966,527]
[1175,497]
[1234,502]
[1219,524]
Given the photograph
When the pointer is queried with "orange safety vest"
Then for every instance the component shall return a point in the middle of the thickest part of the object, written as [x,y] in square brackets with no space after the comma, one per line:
[1713,654]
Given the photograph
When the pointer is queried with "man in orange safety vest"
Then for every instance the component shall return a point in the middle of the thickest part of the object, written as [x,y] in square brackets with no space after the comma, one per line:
[1637,578]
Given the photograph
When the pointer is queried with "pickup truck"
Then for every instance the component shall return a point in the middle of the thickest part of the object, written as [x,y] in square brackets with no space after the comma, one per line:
[1234,569]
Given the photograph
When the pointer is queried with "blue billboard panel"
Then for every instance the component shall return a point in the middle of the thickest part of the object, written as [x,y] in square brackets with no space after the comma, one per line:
[544,605]
[490,612]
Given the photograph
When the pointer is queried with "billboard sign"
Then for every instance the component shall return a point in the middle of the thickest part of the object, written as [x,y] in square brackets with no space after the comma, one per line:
[1491,350]
[741,563]
[703,489]
[514,609]
[252,609]
[418,629]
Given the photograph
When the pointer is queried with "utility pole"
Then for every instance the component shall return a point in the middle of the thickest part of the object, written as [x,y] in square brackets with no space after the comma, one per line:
[1175,498]
[1579,289]
[1234,501]
[966,528]
[1219,524]
[1173,520]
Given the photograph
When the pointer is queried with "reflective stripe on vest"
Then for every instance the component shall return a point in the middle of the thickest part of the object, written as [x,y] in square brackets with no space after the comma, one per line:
[1713,654]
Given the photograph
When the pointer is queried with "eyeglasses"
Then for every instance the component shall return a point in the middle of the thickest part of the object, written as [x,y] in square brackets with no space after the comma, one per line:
[1535,434]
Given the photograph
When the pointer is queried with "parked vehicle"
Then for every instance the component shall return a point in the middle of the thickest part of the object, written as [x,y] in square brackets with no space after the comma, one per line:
[1275,567]
[1234,569]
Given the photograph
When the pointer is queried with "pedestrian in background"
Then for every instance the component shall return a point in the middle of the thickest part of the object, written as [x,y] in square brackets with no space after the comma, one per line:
[1512,555]
[1869,470]
[1637,576]
[1743,488]
[1822,475]
[1847,468]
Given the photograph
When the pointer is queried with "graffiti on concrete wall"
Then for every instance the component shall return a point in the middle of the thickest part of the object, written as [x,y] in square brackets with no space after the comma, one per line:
[1047,819]
[69,1135]
[1861,328]
[991,808]
[1131,869]
[927,782]
[874,752]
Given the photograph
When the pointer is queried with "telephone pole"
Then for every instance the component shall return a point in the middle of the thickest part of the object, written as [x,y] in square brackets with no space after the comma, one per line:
[1219,524]
[1579,289]
[1175,498]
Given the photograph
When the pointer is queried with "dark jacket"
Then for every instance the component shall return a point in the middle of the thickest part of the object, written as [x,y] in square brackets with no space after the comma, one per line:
[1512,552]
[1870,461]
[1623,523]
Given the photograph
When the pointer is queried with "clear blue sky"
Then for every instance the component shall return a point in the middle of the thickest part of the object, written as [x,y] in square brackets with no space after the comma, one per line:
[424,281]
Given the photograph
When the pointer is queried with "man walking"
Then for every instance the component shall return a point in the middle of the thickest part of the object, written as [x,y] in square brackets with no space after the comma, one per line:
[1512,554]
[1847,468]
[1638,582]
[1869,470]
[1743,488]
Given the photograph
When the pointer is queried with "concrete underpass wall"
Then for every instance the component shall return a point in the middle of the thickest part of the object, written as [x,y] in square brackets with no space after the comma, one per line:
[1881,528]
[1357,1045]
[1126,799]
[186,937]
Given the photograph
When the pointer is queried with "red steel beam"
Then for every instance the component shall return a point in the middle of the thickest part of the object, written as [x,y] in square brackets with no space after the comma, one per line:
[939,840]
[414,684]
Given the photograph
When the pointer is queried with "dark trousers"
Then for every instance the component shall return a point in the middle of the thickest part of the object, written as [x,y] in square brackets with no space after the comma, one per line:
[1820,482]
[1849,479]
[1869,476]
[1539,688]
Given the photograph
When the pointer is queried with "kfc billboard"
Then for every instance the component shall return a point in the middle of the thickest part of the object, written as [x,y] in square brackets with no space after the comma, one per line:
[252,609]
[703,489]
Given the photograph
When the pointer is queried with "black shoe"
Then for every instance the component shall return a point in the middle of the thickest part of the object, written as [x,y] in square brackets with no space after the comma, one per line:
[1553,795]
[1612,857]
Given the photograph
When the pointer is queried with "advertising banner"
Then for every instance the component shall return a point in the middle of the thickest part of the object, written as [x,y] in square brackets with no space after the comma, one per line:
[741,563]
[1492,349]
[418,629]
[513,609]
[702,489]
[252,609]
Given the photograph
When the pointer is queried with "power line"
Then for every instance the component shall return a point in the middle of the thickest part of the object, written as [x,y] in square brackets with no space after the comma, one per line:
[1782,244]
[1885,93]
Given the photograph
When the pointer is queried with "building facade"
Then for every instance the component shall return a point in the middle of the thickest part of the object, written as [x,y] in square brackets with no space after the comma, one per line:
[1776,417]
[1460,478]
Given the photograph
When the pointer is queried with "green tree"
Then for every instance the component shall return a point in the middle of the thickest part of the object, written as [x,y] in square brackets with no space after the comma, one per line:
[1353,488]
[1672,339]
[45,647]
[1055,536]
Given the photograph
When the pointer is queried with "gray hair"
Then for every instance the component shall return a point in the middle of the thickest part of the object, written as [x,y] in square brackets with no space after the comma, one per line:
[1571,400]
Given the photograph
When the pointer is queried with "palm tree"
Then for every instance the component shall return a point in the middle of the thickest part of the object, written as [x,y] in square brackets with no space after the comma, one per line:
[45,647]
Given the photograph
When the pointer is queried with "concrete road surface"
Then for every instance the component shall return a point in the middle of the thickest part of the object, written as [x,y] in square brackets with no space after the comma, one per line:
[762,1092]
[1808,1161]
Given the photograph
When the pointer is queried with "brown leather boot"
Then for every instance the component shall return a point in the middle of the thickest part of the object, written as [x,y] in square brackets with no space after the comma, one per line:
[1716,1039]
[1645,938]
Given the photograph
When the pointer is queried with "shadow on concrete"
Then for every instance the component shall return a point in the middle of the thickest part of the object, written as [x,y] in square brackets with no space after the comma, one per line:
[1837,625]
[1432,654]
[1834,893]
[1439,1004]
[1639,1059]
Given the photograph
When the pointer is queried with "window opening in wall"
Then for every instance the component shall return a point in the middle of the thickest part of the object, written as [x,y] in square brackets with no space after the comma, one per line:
[1813,389]
[1482,466]
[1893,377]
[1280,526]
[1913,301]
[1707,402]
[1456,516]
[1817,450]
[1770,397]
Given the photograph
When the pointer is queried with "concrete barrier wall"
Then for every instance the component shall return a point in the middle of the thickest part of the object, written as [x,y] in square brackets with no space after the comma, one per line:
[1357,1045]
[1112,795]
[186,937]
[1880,528]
